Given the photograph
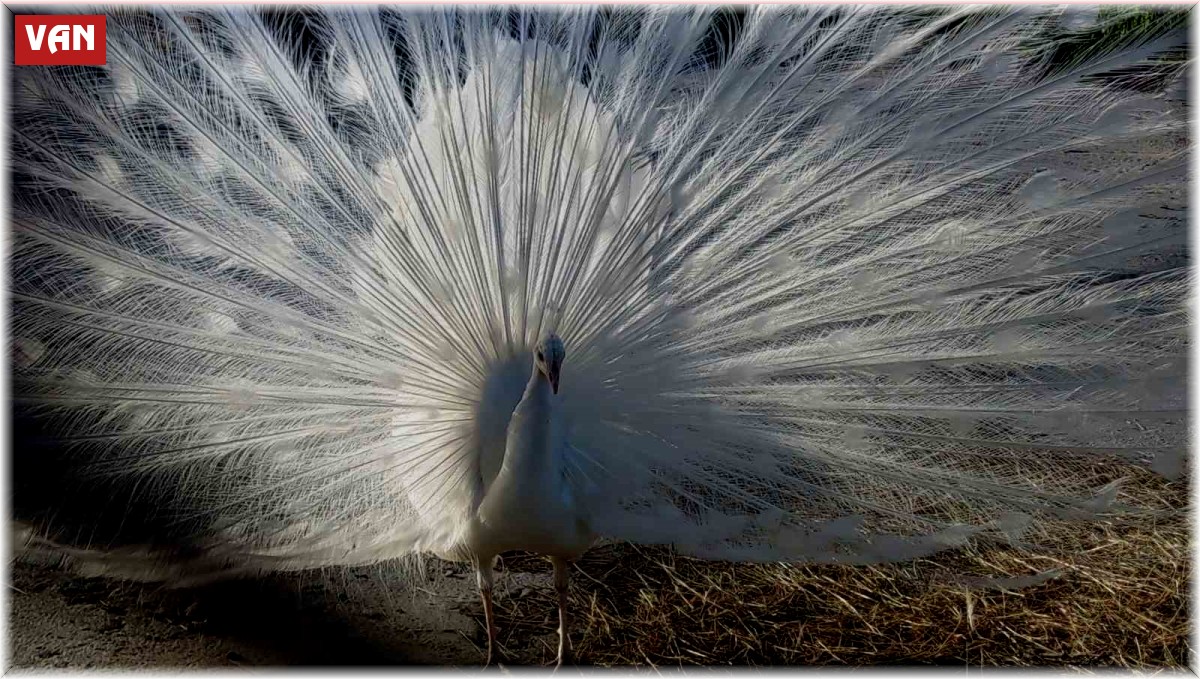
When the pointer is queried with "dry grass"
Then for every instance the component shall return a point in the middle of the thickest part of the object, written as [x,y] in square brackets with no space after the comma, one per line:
[1120,599]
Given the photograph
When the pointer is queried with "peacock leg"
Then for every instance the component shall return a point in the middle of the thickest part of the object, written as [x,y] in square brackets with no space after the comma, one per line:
[485,591]
[560,586]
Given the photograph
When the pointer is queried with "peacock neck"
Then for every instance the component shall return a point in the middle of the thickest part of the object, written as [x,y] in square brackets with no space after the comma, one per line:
[538,387]
[529,436]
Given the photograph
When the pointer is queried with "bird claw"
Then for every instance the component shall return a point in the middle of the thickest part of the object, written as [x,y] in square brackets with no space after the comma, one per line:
[564,658]
[497,660]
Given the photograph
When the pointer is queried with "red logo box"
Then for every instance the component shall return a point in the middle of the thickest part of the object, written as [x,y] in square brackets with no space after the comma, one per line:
[59,40]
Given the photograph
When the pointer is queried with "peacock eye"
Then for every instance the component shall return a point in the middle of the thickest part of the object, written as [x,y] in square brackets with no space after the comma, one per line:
[540,356]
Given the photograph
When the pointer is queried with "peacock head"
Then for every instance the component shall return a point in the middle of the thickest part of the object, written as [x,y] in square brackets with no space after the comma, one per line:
[548,356]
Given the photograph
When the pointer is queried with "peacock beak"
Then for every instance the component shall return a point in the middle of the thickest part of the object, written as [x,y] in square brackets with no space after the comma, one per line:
[552,372]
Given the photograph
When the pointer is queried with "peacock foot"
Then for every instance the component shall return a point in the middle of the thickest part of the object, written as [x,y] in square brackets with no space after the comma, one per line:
[496,658]
[565,657]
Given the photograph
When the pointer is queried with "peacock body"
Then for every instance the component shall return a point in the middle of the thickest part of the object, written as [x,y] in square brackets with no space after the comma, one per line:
[833,285]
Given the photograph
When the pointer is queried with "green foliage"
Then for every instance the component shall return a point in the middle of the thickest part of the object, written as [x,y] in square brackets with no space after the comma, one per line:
[1117,27]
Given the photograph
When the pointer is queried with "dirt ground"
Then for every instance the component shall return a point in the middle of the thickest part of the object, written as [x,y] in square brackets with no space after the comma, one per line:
[342,618]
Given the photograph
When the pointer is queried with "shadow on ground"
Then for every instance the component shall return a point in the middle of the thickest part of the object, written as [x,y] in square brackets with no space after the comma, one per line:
[62,621]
